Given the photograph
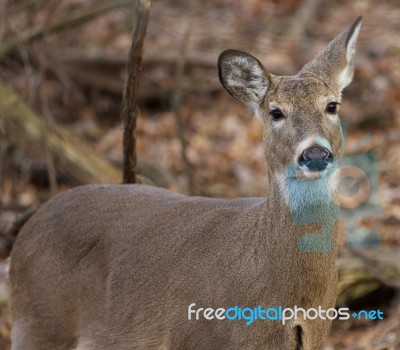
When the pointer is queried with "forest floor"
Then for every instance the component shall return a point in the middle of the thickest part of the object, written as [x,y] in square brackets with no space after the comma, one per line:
[72,76]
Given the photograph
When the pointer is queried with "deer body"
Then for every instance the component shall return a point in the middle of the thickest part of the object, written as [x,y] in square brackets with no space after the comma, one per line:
[117,266]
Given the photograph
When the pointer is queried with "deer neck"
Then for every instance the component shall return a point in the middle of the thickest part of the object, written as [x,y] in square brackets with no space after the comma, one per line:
[296,238]
[301,212]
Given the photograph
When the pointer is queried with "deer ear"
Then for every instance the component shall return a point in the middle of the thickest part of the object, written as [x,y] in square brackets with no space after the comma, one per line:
[335,65]
[244,77]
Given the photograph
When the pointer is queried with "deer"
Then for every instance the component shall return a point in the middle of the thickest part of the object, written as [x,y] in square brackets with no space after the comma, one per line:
[139,267]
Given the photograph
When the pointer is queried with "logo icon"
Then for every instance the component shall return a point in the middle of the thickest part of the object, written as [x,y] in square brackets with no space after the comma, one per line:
[349,191]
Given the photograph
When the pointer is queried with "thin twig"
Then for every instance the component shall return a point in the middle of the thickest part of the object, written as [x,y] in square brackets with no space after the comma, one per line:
[130,97]
[177,96]
[49,124]
[73,20]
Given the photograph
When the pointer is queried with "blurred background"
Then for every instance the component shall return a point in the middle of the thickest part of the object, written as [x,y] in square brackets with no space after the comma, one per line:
[62,70]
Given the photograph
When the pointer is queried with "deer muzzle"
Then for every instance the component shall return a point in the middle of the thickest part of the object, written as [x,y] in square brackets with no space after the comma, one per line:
[316,158]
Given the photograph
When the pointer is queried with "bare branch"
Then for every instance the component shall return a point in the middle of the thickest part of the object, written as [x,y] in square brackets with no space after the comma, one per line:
[177,95]
[49,124]
[130,98]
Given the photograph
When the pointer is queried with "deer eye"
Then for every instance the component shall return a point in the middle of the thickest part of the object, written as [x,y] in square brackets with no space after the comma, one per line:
[332,107]
[276,114]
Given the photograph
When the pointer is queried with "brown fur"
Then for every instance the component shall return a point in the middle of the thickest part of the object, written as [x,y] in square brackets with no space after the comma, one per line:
[116,267]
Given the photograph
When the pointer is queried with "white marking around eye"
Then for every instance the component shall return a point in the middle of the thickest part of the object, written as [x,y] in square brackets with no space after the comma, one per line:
[278,124]
[334,118]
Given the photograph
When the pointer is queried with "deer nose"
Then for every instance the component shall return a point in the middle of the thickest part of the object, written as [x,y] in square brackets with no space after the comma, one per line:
[316,158]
